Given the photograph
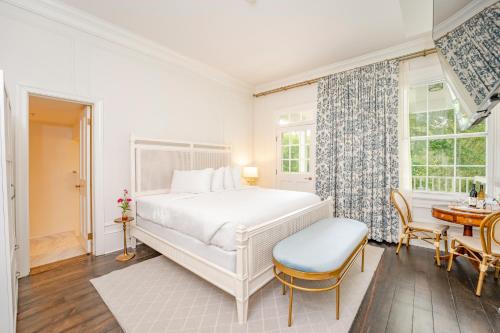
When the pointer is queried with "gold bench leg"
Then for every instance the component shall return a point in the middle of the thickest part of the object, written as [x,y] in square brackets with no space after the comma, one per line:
[338,301]
[283,286]
[363,259]
[290,305]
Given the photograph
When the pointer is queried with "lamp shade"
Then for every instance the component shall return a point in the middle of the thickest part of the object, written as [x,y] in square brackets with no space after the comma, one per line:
[250,172]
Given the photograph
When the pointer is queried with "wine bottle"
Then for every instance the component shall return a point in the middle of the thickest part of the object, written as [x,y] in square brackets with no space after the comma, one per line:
[473,196]
[481,198]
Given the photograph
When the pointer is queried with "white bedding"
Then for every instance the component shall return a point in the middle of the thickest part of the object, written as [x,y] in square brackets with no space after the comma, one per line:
[213,217]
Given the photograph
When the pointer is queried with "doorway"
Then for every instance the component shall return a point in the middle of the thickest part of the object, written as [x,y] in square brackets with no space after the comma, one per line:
[295,149]
[60,155]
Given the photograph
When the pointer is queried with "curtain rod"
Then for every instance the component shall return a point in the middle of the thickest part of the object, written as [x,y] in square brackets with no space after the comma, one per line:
[409,56]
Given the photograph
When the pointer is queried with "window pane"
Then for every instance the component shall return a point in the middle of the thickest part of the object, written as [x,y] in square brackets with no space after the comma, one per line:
[306,115]
[471,171]
[308,168]
[418,152]
[441,152]
[294,138]
[471,151]
[285,166]
[294,152]
[418,99]
[285,138]
[440,179]
[308,151]
[295,117]
[294,166]
[283,120]
[418,124]
[308,136]
[441,122]
[479,128]
[439,97]
[419,178]
[285,152]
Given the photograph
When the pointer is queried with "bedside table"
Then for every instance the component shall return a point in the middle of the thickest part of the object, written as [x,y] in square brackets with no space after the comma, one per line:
[125,256]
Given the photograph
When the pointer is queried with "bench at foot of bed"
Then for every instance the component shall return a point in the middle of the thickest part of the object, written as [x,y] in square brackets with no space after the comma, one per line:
[325,250]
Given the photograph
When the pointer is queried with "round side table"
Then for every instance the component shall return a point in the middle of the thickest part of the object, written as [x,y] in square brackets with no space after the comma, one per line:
[126,255]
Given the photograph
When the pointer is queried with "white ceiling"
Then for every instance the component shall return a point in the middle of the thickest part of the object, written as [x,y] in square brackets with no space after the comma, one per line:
[263,40]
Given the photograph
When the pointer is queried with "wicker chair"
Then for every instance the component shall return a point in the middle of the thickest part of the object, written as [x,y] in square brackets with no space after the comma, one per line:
[431,233]
[485,250]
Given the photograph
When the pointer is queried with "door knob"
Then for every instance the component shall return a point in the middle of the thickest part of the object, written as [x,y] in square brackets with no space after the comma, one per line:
[78,186]
[308,178]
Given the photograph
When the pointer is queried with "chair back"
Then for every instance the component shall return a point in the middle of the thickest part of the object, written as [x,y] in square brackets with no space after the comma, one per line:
[402,206]
[490,231]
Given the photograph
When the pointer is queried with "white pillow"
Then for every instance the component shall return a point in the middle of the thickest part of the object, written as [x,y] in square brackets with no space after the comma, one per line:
[228,179]
[218,180]
[191,181]
[236,177]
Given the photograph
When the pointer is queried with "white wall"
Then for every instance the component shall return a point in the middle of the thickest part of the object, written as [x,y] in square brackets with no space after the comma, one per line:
[148,95]
[53,198]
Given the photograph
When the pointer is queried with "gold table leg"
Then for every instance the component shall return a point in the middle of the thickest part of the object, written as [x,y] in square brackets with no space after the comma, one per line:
[125,256]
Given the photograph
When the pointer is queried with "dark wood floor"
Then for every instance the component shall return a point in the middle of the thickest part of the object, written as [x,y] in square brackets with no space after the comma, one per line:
[407,294]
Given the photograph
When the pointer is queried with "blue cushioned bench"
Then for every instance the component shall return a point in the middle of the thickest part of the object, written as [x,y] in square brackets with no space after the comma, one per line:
[322,251]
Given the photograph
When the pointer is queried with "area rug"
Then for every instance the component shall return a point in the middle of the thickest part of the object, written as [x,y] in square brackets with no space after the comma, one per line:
[158,295]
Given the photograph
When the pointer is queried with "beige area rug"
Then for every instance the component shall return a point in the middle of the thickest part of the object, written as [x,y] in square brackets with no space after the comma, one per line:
[158,295]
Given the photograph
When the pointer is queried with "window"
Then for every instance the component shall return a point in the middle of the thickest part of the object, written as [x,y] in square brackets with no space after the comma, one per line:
[294,117]
[295,150]
[443,158]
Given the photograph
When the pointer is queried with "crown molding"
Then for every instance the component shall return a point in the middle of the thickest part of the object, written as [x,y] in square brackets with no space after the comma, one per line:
[77,19]
[423,41]
[460,17]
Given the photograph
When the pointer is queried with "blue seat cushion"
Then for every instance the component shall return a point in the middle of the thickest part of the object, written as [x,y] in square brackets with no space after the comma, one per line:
[322,247]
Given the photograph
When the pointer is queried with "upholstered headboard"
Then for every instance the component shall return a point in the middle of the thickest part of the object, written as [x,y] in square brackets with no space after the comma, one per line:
[153,162]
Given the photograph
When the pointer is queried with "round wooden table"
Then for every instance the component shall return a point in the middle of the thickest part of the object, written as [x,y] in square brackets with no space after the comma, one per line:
[467,219]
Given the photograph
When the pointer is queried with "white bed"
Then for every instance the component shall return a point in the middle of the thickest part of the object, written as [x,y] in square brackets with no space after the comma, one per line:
[225,237]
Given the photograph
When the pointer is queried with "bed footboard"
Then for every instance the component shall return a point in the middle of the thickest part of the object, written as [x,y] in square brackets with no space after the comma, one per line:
[255,247]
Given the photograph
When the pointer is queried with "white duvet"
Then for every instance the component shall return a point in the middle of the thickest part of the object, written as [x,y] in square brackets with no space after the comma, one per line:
[213,217]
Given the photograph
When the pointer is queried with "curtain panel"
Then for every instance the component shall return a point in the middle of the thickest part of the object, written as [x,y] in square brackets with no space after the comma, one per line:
[357,145]
[473,52]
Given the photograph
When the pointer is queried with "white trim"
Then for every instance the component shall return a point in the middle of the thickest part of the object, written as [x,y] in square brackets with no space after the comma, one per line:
[422,42]
[22,169]
[460,17]
[59,12]
[7,311]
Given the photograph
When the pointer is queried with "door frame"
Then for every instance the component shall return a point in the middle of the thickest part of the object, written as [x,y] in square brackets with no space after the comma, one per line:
[278,128]
[21,120]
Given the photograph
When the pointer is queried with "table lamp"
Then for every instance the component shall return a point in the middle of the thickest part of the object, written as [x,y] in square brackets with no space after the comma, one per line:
[251,174]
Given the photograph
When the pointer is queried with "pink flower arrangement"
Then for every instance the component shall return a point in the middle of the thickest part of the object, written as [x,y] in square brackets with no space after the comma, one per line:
[124,203]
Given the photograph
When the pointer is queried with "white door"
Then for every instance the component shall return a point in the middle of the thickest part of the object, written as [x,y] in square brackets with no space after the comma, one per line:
[85,185]
[295,158]
[8,263]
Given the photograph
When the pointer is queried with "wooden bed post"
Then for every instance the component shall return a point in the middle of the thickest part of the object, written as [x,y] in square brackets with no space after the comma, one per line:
[242,264]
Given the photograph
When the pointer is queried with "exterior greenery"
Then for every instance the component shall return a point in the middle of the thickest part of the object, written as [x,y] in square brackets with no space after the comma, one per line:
[443,157]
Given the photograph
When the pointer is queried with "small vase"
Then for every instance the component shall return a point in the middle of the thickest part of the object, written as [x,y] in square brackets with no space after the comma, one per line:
[124,217]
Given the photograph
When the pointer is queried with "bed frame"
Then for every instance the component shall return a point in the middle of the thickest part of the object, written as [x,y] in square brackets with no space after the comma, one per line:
[152,163]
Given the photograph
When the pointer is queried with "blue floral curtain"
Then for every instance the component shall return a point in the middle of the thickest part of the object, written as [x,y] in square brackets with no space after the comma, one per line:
[473,52]
[357,145]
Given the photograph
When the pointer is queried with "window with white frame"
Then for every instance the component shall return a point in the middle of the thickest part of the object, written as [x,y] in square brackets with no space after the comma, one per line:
[443,158]
[295,142]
